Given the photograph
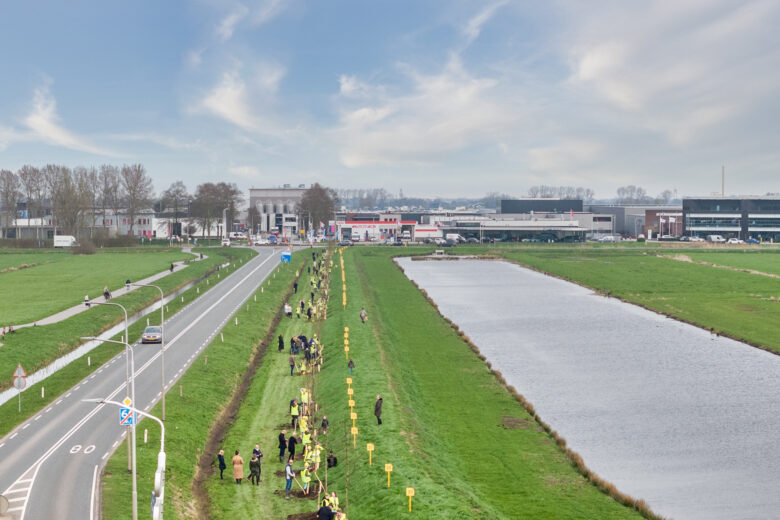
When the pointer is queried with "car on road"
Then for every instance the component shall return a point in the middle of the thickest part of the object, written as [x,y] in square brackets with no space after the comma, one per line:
[345,243]
[752,240]
[152,335]
[734,241]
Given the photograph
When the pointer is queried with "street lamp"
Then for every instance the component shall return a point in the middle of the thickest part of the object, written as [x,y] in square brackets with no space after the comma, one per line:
[159,474]
[162,339]
[129,384]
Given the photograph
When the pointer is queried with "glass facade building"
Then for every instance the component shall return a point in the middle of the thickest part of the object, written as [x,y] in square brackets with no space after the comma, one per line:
[733,217]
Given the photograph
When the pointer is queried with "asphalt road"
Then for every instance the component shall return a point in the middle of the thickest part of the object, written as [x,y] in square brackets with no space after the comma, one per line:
[50,464]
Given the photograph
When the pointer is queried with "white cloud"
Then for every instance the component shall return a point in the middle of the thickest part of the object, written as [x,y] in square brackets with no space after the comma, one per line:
[474,26]
[194,58]
[229,100]
[44,123]
[166,141]
[265,10]
[682,69]
[228,24]
[247,172]
[443,113]
[568,155]
[269,76]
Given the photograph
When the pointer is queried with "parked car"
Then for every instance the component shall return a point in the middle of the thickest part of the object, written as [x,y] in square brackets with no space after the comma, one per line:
[225,242]
[152,335]
[345,243]
[697,239]
[752,240]
[733,240]
[472,240]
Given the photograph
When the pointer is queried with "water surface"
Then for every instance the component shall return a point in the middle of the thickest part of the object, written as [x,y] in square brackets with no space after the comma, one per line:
[667,412]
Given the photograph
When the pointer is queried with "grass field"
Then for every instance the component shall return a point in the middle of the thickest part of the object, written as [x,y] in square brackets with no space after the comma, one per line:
[68,332]
[189,419]
[59,281]
[14,259]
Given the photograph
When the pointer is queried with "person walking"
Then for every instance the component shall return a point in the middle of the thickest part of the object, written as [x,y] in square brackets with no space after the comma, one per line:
[106,293]
[332,460]
[259,454]
[363,315]
[171,267]
[292,364]
[378,409]
[295,286]
[282,445]
[324,425]
[281,343]
[291,443]
[238,468]
[254,470]
[222,465]
[351,365]
[289,475]
[294,413]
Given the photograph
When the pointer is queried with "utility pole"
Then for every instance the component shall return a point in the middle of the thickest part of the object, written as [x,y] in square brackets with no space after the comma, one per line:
[723,182]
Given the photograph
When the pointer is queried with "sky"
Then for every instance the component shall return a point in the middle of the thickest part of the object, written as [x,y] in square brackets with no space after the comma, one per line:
[435,98]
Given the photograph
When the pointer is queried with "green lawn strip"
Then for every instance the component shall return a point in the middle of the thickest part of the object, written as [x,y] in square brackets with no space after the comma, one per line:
[65,378]
[733,303]
[207,387]
[450,429]
[36,347]
[50,287]
[11,259]
[263,411]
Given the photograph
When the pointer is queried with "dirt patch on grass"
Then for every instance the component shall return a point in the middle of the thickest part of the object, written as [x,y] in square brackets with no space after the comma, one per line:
[513,423]
[227,417]
[297,493]
[302,516]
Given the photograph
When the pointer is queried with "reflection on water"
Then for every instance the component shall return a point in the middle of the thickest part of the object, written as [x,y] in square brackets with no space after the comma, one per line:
[667,412]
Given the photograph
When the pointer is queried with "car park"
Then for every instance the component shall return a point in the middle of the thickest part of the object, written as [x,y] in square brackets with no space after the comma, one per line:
[152,335]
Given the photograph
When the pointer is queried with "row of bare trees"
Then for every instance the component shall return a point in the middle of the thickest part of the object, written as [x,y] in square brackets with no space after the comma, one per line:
[74,197]
[77,200]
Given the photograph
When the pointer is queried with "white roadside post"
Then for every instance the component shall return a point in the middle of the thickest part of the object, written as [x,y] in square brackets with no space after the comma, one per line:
[129,384]
[162,340]
[159,474]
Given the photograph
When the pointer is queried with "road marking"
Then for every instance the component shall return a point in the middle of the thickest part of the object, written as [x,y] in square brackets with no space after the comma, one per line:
[38,463]
[92,496]
[114,445]
[26,426]
[1,445]
[37,417]
[104,456]
[48,410]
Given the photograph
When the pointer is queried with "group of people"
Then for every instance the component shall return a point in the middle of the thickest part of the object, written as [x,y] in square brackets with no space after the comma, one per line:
[312,354]
[237,462]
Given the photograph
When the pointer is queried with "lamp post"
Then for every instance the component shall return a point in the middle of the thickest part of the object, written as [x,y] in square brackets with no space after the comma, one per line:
[159,474]
[162,339]
[224,223]
[129,384]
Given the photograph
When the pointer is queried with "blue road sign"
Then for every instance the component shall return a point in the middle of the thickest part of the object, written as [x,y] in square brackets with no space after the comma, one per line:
[125,417]
[286,257]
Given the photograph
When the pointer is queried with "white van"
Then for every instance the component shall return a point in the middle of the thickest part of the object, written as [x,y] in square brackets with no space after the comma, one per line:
[716,239]
[64,241]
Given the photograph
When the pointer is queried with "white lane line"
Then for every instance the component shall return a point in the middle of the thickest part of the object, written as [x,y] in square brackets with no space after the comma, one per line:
[48,410]
[92,497]
[26,426]
[38,463]
[37,417]
[2,444]
[68,395]
[58,402]
[104,456]
[114,445]
[16,499]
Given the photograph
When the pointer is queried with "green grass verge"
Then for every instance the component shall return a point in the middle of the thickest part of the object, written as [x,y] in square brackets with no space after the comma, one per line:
[451,431]
[59,281]
[741,305]
[263,412]
[62,380]
[207,387]
[765,261]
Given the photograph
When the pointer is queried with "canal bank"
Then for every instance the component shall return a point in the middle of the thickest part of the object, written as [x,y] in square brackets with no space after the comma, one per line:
[665,411]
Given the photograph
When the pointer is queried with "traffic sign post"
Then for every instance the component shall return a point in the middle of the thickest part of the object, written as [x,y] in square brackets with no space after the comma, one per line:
[126,417]
[20,382]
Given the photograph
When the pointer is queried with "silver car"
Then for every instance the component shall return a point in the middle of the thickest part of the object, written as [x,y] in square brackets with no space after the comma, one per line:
[152,335]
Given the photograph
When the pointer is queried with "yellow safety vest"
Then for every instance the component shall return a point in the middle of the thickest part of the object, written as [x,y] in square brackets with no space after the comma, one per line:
[306,438]
[294,410]
[305,476]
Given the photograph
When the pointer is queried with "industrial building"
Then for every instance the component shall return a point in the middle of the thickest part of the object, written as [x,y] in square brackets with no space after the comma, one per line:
[740,217]
[277,209]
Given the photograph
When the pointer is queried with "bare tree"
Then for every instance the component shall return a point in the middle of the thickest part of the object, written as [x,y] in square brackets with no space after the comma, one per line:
[138,190]
[111,192]
[318,204]
[204,206]
[33,189]
[175,198]
[9,193]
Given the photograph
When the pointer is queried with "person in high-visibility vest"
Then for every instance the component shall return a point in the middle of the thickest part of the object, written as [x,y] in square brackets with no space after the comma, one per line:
[305,478]
[334,500]
[303,422]
[294,413]
[317,457]
[306,438]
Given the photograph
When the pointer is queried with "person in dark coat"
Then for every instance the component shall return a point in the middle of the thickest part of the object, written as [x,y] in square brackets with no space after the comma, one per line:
[282,445]
[378,409]
[171,267]
[254,470]
[325,424]
[295,286]
[325,513]
[332,460]
[222,464]
[291,443]
[281,343]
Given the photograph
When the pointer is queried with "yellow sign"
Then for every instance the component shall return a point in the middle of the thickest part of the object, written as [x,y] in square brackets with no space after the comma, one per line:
[354,432]
[350,391]
[388,469]
[127,401]
[346,349]
[370,449]
[346,335]
[410,494]
[349,380]
[346,341]
[351,404]
[346,329]
[353,416]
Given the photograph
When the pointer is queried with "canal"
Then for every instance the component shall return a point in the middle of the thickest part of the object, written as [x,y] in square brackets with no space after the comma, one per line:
[667,412]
